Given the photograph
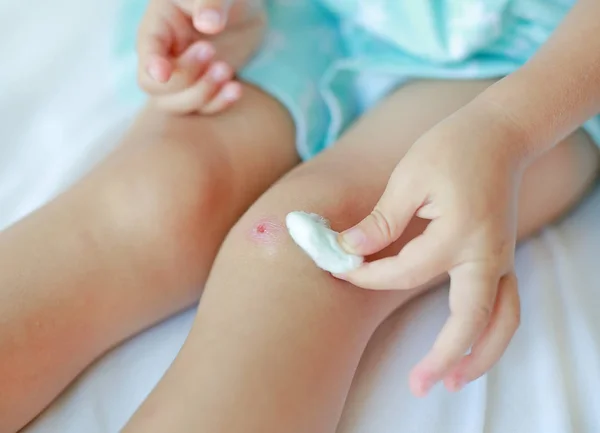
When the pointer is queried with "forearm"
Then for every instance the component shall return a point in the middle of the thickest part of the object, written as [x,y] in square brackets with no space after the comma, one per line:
[559,88]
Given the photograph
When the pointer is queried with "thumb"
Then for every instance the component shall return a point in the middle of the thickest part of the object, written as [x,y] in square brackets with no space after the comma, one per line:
[384,224]
[210,16]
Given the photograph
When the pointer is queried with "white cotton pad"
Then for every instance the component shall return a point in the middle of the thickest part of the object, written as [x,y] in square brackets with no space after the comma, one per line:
[312,233]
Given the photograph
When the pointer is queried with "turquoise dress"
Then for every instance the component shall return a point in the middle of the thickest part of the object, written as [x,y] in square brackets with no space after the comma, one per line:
[315,51]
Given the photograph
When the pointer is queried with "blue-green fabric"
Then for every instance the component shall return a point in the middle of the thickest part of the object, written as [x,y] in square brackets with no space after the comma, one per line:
[316,49]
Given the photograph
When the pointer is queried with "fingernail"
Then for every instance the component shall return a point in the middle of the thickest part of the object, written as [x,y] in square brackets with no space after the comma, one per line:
[219,72]
[154,72]
[208,20]
[232,92]
[352,239]
[205,52]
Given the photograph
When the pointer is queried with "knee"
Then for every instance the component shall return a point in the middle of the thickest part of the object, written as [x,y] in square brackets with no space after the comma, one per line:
[262,232]
[321,193]
[261,242]
[330,193]
[168,194]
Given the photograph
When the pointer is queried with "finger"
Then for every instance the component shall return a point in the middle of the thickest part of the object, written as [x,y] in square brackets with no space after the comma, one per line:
[385,223]
[210,16]
[159,69]
[171,21]
[228,94]
[493,342]
[192,64]
[195,97]
[472,295]
[421,260]
[153,45]
[185,70]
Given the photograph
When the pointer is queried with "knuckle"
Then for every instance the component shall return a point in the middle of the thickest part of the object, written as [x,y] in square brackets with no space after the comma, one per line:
[411,279]
[480,315]
[485,268]
[383,224]
[184,79]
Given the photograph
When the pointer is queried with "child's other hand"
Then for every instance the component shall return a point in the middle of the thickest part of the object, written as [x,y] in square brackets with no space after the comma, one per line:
[464,176]
[177,52]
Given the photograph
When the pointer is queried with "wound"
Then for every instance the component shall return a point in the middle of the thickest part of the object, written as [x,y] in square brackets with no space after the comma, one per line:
[267,231]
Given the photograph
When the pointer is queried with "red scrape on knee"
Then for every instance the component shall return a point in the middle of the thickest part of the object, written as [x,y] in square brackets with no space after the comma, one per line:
[268,230]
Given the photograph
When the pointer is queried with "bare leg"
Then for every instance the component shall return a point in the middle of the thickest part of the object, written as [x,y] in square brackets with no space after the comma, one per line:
[130,244]
[276,341]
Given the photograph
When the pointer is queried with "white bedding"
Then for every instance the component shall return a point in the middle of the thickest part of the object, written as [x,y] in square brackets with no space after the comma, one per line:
[59,115]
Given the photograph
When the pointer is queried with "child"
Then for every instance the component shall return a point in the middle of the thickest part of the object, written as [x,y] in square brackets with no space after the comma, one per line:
[276,341]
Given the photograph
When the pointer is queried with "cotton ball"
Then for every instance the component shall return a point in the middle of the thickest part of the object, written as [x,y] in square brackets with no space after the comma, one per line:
[312,233]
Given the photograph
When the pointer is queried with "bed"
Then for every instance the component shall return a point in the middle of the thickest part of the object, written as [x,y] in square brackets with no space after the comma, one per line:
[60,112]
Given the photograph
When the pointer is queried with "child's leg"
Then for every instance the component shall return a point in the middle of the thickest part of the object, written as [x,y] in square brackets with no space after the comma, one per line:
[276,341]
[130,244]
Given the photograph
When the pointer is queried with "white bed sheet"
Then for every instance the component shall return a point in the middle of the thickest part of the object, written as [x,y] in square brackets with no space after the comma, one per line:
[59,115]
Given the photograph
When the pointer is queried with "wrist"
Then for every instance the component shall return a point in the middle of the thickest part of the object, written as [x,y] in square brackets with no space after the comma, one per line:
[518,143]
[538,108]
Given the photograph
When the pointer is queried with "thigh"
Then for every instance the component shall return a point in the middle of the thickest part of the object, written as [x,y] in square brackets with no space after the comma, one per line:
[130,244]
[163,201]
[151,216]
[244,149]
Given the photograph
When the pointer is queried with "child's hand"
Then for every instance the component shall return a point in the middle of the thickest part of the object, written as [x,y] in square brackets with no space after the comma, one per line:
[464,176]
[178,61]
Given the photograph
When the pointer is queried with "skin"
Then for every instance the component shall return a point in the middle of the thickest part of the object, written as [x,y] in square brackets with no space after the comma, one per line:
[186,62]
[150,217]
[569,64]
[464,175]
[143,229]
[131,262]
[276,341]
[267,231]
